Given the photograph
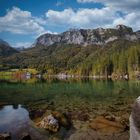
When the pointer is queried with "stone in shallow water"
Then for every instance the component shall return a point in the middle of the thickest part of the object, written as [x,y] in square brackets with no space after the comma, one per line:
[26,136]
[84,135]
[90,134]
[49,123]
[55,121]
[63,119]
[103,125]
[5,136]
[135,121]
[36,113]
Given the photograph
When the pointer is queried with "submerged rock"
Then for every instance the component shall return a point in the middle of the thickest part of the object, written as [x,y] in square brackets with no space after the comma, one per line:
[36,113]
[49,123]
[110,118]
[5,136]
[63,119]
[53,121]
[84,135]
[94,135]
[105,126]
[135,121]
[26,136]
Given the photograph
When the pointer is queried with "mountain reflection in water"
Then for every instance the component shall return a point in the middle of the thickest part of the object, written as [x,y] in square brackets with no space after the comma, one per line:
[14,119]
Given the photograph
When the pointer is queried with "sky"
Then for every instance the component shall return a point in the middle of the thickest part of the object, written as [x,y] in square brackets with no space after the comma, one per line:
[22,21]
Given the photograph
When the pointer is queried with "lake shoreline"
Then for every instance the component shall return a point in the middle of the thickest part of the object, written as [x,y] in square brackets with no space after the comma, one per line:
[82,120]
[86,102]
[34,73]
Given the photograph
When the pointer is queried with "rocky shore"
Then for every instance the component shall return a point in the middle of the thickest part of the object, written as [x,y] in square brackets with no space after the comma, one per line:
[90,122]
[110,122]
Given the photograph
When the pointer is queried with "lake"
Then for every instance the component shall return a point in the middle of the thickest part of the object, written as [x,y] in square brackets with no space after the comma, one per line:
[93,97]
[67,92]
[13,119]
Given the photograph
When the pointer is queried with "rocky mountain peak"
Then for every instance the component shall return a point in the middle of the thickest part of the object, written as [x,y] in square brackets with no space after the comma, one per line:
[6,49]
[138,34]
[122,27]
[2,42]
[99,36]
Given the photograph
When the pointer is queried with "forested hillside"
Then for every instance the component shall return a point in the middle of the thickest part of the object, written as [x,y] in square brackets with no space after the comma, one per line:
[117,57]
[6,49]
[120,57]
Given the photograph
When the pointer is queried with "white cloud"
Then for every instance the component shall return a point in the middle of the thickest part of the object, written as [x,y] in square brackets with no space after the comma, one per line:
[48,32]
[127,5]
[59,3]
[22,44]
[85,18]
[131,19]
[108,16]
[21,22]
[59,17]
[18,21]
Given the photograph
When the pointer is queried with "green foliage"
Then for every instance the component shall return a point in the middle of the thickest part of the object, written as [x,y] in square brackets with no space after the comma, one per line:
[120,57]
[6,50]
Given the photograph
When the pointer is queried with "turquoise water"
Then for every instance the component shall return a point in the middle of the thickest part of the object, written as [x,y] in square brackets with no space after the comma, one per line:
[68,92]
[65,95]
[14,119]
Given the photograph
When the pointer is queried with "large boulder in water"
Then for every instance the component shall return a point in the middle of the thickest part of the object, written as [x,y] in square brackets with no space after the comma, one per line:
[54,120]
[63,119]
[89,134]
[25,136]
[105,126]
[135,121]
[84,135]
[49,123]
[5,136]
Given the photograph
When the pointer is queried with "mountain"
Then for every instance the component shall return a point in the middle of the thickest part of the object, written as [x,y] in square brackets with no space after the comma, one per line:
[6,49]
[2,42]
[138,34]
[101,52]
[22,48]
[86,37]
